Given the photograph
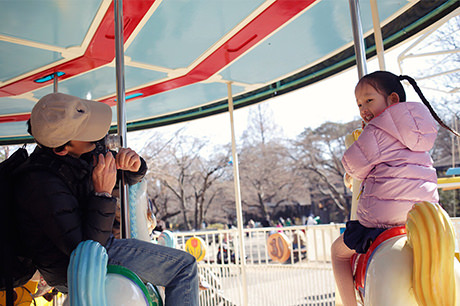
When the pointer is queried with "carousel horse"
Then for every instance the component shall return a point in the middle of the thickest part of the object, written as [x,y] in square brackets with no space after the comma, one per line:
[419,268]
[92,282]
[142,219]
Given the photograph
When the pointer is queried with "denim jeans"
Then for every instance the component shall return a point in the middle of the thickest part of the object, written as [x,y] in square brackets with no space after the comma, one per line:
[173,269]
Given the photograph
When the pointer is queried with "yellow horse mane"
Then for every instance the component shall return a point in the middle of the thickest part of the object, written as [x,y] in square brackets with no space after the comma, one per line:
[430,233]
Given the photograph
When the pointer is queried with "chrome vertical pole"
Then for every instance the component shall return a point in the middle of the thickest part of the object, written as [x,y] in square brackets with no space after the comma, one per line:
[362,70]
[239,210]
[358,38]
[125,226]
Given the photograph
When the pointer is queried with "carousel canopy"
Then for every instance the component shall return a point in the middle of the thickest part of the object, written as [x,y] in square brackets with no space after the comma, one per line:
[180,55]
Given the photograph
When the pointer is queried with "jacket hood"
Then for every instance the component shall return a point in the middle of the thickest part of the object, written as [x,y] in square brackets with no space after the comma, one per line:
[409,122]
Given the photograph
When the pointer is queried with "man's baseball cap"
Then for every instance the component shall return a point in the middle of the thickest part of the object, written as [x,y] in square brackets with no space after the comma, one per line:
[58,118]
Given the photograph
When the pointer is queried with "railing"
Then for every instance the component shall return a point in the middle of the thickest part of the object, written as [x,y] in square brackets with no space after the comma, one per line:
[317,239]
[304,279]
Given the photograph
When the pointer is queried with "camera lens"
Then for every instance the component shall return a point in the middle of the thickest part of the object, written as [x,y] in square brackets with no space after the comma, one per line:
[113,142]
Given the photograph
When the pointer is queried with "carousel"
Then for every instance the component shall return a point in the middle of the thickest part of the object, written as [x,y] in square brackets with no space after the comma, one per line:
[159,62]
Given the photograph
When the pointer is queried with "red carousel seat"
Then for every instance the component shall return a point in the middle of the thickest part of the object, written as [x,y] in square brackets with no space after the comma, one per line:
[359,262]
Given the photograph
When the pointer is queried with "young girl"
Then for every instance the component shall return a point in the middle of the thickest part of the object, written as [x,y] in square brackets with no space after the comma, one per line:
[392,160]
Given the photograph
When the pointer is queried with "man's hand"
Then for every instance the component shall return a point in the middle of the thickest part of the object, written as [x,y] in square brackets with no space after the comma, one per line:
[105,173]
[128,159]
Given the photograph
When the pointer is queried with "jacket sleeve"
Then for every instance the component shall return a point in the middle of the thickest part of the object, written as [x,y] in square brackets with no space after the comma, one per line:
[60,215]
[362,156]
[98,218]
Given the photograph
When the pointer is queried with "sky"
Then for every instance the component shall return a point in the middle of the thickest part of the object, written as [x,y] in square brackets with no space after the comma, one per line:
[331,99]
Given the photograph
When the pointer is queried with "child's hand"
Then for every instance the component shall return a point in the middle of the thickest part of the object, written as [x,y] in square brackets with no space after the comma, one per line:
[348,181]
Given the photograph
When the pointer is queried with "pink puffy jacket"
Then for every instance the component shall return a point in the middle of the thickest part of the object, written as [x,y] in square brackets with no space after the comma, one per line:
[391,158]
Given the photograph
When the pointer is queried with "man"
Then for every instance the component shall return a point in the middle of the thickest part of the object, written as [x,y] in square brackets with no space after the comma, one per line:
[63,197]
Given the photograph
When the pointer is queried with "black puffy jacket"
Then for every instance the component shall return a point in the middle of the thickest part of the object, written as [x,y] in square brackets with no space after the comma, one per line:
[56,209]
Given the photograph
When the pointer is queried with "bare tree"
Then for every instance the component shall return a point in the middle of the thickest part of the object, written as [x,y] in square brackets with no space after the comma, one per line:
[205,174]
[180,178]
[261,126]
[176,173]
[154,153]
[219,206]
[318,153]
[161,201]
[266,171]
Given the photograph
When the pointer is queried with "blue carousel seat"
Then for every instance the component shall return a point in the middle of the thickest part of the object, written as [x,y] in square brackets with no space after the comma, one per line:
[92,282]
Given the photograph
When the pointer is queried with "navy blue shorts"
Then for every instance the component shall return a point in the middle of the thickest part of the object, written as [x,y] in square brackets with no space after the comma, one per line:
[358,237]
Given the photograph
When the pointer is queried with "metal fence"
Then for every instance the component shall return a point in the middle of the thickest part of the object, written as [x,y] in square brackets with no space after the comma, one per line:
[304,279]
[222,246]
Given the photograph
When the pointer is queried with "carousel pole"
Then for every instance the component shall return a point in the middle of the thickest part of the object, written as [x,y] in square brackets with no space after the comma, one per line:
[358,38]
[125,227]
[239,211]
[378,35]
[350,138]
[362,70]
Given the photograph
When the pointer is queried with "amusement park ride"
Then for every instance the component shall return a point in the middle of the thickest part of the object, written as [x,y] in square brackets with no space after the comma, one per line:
[184,60]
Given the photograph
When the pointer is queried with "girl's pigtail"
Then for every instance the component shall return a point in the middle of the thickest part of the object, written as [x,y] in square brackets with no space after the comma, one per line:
[427,104]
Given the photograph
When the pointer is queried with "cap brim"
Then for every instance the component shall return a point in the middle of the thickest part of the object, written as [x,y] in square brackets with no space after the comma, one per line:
[98,123]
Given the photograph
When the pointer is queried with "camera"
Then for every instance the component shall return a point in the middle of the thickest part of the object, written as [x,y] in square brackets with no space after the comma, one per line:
[109,142]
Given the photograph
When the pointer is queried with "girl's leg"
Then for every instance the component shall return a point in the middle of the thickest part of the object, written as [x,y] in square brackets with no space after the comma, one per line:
[343,274]
[173,269]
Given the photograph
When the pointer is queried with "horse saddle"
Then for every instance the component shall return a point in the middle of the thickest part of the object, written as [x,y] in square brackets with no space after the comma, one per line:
[360,262]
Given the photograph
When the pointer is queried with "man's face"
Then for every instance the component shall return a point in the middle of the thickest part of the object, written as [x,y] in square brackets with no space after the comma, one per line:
[76,148]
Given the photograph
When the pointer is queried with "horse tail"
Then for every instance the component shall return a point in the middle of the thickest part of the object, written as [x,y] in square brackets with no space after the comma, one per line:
[430,233]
